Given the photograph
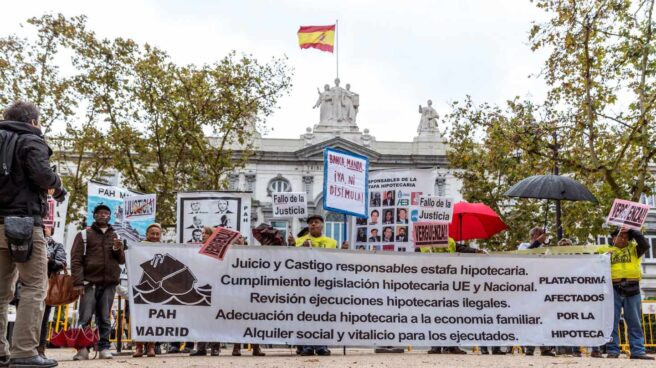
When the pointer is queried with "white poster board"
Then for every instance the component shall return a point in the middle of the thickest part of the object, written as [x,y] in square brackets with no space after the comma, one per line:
[345,180]
[195,210]
[393,208]
[289,205]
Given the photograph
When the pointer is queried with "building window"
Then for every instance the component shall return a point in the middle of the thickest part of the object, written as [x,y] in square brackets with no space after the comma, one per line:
[440,186]
[281,226]
[648,199]
[233,182]
[250,182]
[334,227]
[278,184]
[308,180]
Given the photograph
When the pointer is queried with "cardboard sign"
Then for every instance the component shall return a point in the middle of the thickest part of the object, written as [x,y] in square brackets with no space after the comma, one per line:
[141,207]
[628,214]
[49,221]
[219,242]
[289,204]
[345,179]
[431,234]
[435,209]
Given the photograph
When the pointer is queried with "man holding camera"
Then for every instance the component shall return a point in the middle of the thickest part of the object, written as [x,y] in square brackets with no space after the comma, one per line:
[25,179]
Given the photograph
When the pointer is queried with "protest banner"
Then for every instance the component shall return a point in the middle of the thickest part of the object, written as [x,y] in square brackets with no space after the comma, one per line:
[628,214]
[309,296]
[392,202]
[436,209]
[345,180]
[431,234]
[231,210]
[288,205]
[218,243]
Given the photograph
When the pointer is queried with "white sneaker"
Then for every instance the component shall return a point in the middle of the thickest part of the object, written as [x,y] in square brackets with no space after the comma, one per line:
[105,354]
[82,354]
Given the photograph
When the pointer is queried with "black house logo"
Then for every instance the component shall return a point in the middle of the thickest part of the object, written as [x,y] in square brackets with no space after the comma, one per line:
[167,281]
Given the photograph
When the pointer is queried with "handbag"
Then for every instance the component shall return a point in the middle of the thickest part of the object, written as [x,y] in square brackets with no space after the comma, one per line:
[61,289]
[76,337]
[18,231]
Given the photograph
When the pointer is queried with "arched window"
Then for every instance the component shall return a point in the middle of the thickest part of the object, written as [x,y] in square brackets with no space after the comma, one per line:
[278,184]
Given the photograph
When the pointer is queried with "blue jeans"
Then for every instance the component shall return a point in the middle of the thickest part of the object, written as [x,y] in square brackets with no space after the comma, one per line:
[632,316]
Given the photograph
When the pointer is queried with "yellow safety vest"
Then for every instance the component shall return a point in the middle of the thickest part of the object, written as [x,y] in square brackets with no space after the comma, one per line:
[624,262]
[319,242]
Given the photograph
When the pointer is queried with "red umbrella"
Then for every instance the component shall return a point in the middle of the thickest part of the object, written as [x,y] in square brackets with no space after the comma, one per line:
[474,221]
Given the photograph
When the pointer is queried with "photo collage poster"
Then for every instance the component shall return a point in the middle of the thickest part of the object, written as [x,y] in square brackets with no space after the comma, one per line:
[196,210]
[393,198]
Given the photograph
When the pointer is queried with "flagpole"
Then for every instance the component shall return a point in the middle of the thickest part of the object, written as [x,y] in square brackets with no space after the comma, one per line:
[337,46]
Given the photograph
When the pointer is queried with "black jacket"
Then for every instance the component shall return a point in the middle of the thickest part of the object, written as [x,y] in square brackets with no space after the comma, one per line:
[25,190]
[56,256]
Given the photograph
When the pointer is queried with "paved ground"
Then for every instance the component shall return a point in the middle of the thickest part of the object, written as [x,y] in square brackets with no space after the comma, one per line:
[354,358]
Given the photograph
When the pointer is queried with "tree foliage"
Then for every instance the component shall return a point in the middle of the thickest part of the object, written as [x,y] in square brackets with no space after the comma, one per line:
[164,127]
[598,116]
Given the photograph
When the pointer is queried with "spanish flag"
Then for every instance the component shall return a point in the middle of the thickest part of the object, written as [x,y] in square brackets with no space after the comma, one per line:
[318,37]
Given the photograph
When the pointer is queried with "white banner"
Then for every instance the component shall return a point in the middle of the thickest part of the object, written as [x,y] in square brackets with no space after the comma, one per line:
[309,296]
[289,205]
[231,210]
[345,182]
[393,201]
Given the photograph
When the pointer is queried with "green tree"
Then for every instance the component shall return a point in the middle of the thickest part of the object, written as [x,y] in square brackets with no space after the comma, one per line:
[598,115]
[165,127]
[29,71]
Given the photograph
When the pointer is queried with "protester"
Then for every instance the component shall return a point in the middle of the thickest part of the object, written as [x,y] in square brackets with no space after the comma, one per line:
[315,238]
[201,347]
[565,243]
[153,235]
[538,237]
[96,257]
[56,263]
[24,181]
[451,247]
[627,247]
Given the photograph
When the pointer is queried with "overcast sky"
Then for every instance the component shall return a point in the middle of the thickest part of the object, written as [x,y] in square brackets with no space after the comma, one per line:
[395,54]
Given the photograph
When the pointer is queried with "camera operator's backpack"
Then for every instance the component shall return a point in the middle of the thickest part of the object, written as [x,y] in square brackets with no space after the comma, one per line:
[7,149]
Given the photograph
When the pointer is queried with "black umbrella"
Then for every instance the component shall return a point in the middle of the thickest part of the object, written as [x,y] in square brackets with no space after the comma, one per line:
[554,187]
[551,187]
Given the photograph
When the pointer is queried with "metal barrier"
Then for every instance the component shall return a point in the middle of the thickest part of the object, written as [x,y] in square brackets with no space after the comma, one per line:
[648,328]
